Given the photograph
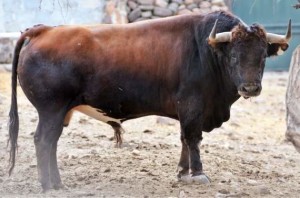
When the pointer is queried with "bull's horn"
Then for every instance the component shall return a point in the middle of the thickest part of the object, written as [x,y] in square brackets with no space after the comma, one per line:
[277,38]
[220,37]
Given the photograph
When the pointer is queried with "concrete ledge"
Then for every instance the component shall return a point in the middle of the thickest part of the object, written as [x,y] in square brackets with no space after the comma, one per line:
[11,35]
[5,67]
[7,45]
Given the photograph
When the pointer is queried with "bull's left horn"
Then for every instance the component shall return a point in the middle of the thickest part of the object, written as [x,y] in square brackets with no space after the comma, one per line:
[220,37]
[277,38]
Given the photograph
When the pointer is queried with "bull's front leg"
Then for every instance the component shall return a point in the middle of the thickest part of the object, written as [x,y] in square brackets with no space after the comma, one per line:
[191,136]
[184,162]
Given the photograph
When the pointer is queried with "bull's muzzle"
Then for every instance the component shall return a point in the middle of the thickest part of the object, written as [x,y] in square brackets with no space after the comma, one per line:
[249,89]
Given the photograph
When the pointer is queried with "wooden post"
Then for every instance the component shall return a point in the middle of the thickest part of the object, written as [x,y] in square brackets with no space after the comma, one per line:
[293,101]
[116,11]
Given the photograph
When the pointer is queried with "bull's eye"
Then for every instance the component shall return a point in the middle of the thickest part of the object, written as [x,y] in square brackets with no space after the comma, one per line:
[233,58]
[263,60]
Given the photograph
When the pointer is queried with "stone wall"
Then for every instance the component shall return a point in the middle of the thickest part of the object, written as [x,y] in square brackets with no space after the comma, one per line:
[150,9]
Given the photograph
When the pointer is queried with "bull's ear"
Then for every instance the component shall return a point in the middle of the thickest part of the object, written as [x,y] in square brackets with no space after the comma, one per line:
[276,49]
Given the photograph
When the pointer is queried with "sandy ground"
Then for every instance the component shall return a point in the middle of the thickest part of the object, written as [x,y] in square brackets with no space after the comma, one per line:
[247,157]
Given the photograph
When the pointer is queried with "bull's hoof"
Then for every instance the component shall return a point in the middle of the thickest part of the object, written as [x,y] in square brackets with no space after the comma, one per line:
[199,179]
[46,186]
[185,178]
[59,186]
[53,187]
[45,190]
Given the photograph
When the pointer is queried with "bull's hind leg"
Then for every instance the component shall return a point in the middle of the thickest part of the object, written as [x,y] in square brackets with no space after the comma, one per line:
[118,132]
[54,172]
[48,131]
[67,118]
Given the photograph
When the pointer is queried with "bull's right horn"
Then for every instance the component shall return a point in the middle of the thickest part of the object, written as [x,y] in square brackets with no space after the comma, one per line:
[277,38]
[220,37]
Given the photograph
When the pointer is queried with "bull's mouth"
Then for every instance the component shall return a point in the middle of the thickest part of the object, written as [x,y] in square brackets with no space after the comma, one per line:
[247,95]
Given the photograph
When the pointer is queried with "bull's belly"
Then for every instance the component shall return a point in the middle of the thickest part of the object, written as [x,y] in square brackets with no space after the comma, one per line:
[97,114]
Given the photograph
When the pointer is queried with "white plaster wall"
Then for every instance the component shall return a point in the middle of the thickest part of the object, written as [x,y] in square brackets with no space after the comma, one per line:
[17,15]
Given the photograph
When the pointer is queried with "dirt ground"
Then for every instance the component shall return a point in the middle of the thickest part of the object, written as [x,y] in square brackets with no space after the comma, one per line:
[247,157]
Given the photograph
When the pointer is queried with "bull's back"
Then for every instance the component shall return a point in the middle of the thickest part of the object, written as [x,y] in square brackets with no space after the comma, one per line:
[131,71]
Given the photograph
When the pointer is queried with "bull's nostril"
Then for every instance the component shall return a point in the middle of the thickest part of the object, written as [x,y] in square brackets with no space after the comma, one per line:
[249,89]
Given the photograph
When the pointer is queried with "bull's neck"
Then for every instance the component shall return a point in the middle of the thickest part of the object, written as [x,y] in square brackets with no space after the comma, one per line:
[222,78]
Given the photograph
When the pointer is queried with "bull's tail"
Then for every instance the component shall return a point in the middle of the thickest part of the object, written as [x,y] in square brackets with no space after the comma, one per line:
[13,113]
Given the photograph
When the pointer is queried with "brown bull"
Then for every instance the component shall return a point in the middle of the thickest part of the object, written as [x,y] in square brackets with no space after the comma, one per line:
[191,68]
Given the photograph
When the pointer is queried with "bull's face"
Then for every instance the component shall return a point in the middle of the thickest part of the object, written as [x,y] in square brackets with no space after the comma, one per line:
[247,55]
[246,51]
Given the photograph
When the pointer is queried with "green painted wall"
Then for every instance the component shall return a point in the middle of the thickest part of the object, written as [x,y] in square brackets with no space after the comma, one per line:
[274,16]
